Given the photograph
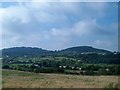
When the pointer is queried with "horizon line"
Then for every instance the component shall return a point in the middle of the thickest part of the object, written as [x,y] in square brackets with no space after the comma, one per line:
[58,49]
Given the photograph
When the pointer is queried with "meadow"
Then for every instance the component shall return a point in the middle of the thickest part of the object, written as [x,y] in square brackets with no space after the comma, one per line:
[21,79]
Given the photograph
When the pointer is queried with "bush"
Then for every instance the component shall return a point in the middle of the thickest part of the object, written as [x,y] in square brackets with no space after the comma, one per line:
[6,67]
[112,86]
[48,70]
[89,72]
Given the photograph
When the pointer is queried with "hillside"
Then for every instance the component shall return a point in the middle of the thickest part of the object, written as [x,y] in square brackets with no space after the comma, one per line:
[29,51]
[86,54]
[21,51]
[83,49]
[67,61]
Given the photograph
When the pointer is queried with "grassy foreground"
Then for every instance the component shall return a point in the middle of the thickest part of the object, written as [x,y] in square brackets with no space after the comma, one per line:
[20,79]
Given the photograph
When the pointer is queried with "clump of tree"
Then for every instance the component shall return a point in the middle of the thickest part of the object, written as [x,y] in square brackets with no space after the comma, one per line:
[85,69]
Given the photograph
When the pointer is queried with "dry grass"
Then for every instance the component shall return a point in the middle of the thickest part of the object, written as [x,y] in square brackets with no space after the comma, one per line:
[19,79]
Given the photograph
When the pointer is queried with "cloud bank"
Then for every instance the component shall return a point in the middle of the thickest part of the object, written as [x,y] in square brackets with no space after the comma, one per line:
[54,25]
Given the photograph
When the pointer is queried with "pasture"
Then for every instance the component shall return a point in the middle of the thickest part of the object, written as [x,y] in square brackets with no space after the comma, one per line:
[21,79]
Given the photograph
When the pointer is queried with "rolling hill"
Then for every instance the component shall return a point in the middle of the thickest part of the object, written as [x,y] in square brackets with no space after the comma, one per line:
[83,50]
[21,51]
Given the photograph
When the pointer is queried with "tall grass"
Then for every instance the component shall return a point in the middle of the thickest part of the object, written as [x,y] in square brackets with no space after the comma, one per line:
[112,86]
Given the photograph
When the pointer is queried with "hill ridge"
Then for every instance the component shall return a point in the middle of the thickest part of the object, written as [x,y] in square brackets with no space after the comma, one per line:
[34,51]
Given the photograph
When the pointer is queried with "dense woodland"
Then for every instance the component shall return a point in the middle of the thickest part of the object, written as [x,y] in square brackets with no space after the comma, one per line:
[82,60]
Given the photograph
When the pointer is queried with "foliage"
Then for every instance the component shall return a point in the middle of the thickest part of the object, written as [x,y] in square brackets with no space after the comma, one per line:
[87,60]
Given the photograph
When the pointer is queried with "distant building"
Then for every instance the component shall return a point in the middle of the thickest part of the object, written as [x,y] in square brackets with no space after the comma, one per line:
[73,67]
[107,69]
[64,66]
[80,68]
[36,65]
[60,66]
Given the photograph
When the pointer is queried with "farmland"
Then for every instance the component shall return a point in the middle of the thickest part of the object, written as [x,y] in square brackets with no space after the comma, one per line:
[77,67]
[21,79]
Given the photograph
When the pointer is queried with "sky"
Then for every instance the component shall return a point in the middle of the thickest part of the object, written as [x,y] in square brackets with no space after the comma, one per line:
[59,25]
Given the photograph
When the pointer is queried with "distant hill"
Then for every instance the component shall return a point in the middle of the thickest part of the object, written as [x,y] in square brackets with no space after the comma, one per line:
[21,51]
[86,54]
[83,50]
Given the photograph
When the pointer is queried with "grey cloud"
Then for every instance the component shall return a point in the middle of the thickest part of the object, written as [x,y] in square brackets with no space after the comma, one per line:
[58,24]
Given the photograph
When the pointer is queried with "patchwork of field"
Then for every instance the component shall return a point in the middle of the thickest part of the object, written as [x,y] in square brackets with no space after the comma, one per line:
[21,79]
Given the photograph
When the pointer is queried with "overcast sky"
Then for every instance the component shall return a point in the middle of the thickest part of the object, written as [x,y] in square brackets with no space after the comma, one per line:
[58,25]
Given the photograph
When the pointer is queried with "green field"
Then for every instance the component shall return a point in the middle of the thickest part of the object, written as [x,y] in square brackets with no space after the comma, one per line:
[21,79]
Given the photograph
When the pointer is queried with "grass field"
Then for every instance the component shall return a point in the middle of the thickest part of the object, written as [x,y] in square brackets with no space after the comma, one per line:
[20,79]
